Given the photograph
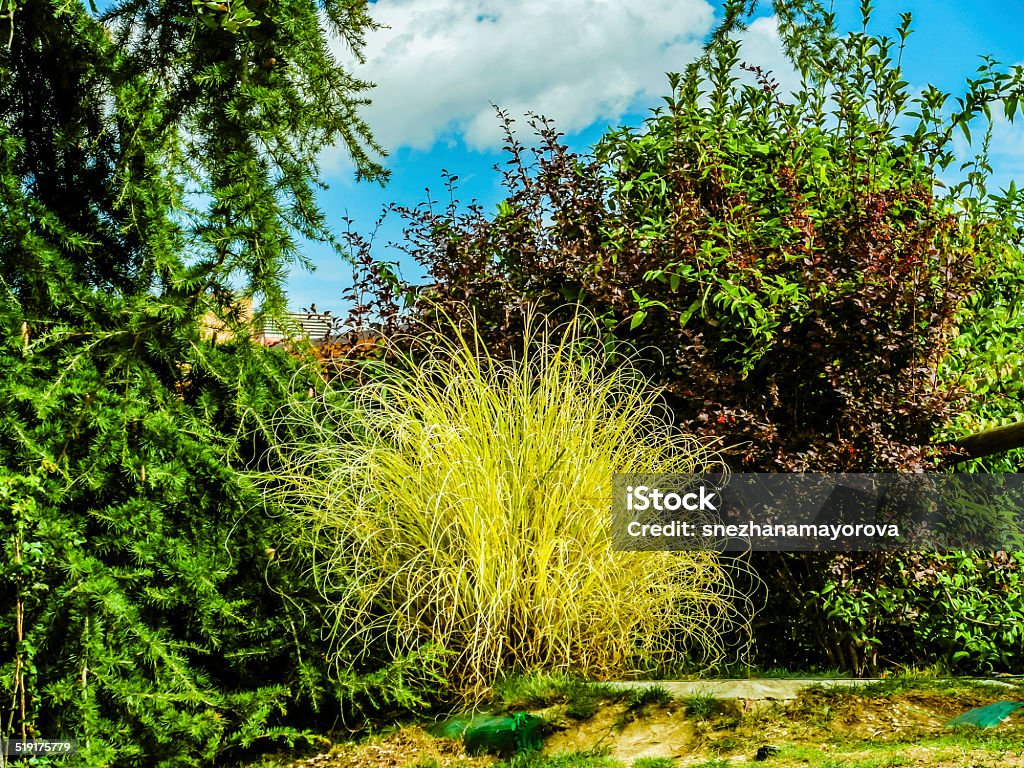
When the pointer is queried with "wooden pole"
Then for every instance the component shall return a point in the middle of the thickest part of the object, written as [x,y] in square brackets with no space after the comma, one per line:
[998,440]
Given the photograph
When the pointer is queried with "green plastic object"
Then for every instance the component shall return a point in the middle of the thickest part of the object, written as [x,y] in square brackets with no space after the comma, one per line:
[489,734]
[986,717]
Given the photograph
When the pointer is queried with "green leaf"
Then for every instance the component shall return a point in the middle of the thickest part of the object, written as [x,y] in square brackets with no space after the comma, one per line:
[965,129]
[685,316]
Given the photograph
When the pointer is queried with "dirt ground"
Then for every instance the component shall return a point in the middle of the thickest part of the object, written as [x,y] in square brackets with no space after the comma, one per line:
[828,728]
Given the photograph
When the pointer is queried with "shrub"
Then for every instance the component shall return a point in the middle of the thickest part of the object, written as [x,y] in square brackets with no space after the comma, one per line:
[962,610]
[986,357]
[460,500]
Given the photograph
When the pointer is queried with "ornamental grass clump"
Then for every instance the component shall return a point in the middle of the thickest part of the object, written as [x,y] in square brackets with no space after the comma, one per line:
[460,501]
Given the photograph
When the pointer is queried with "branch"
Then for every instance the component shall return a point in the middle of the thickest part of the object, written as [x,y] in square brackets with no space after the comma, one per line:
[998,440]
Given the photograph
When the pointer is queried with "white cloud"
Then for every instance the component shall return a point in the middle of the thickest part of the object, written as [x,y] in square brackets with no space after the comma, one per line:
[442,63]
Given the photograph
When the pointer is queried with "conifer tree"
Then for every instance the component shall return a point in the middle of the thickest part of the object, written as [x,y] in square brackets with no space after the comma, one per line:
[157,167]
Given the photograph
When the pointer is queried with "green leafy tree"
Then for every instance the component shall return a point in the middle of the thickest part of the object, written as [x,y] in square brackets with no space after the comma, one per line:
[157,173]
